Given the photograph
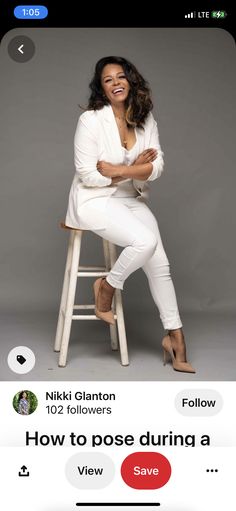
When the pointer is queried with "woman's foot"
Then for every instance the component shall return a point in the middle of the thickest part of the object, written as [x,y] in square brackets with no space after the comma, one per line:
[178,344]
[105,295]
[104,292]
[174,345]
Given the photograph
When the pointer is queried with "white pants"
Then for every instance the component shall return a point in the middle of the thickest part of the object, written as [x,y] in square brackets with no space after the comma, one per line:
[131,224]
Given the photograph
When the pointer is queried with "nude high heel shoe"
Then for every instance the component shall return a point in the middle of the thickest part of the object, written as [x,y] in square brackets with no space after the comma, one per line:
[184,367]
[106,316]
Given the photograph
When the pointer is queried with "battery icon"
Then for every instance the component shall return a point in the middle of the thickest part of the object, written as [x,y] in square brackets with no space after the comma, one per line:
[218,14]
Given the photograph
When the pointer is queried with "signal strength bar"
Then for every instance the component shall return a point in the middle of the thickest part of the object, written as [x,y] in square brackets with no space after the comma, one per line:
[190,15]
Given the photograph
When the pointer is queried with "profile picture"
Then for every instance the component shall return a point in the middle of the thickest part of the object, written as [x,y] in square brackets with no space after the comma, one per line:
[25,402]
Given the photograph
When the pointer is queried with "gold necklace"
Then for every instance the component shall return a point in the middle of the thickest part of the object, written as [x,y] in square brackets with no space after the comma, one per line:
[120,118]
[123,135]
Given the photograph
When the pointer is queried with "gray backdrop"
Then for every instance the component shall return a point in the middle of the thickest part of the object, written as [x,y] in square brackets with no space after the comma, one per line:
[192,76]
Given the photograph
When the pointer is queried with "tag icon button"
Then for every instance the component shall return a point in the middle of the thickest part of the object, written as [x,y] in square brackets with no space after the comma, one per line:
[21,359]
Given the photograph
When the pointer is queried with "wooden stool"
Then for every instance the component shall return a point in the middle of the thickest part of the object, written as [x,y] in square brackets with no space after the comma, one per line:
[67,306]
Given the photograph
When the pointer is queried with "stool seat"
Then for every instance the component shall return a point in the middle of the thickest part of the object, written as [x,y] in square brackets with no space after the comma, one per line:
[74,271]
[64,226]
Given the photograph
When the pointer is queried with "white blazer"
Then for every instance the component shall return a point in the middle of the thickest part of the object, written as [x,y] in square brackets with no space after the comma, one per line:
[97,138]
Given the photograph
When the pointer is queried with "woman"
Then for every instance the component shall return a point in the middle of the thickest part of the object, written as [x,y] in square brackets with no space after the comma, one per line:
[117,152]
[23,406]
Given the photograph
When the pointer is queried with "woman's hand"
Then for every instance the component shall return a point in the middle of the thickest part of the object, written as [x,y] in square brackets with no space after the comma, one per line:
[108,169]
[147,156]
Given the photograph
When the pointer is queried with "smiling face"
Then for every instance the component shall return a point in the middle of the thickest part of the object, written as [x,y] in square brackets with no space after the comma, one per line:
[115,84]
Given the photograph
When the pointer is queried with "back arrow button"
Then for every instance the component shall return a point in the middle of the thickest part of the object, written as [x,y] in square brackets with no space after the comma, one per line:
[20,49]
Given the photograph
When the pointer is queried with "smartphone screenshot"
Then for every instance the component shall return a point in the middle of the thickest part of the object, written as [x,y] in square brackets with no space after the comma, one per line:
[117,259]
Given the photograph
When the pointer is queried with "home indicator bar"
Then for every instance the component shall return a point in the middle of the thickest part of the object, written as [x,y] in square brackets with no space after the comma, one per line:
[118,504]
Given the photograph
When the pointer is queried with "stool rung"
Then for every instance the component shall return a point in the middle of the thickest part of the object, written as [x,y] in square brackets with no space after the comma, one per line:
[83,307]
[92,273]
[87,316]
[92,268]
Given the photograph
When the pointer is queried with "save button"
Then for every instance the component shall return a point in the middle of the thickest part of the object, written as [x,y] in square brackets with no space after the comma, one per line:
[146,470]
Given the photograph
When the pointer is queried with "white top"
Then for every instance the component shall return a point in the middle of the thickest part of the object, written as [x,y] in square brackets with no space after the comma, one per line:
[126,188]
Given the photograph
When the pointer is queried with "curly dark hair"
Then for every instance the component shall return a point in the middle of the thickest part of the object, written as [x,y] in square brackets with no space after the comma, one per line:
[138,102]
[22,393]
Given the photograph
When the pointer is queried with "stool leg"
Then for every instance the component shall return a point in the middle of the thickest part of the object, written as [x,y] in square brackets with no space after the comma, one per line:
[121,329]
[120,315]
[113,328]
[70,298]
[61,315]
[114,338]
[106,254]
